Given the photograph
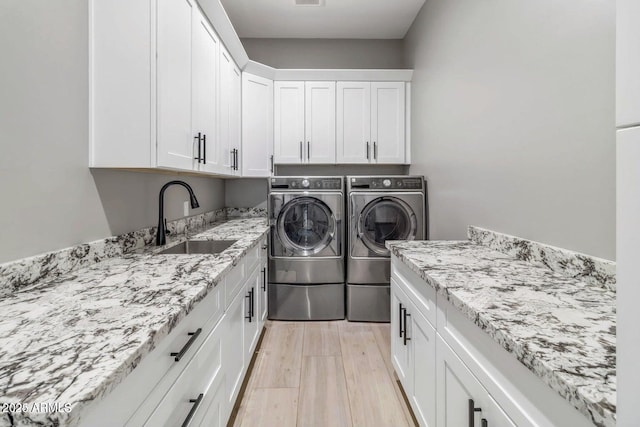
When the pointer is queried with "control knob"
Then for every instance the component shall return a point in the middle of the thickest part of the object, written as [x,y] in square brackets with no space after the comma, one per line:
[305,183]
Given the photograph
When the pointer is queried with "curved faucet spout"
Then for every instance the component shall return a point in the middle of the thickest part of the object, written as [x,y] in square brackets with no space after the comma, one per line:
[161,234]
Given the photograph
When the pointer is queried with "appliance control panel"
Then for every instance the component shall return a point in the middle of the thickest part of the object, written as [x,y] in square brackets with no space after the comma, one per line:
[310,183]
[407,183]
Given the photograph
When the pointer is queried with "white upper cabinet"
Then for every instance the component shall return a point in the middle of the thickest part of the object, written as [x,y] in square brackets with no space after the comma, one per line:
[388,122]
[206,46]
[229,116]
[305,122]
[320,122]
[354,122]
[289,116]
[371,122]
[164,92]
[174,70]
[257,125]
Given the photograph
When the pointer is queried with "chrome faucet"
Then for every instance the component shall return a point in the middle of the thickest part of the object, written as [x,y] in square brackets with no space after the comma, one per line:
[161,234]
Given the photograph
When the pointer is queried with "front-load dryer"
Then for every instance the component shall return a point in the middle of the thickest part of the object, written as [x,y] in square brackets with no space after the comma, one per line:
[380,208]
[306,255]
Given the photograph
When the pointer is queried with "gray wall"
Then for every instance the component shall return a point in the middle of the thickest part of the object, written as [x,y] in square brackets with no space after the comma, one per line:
[50,198]
[246,193]
[326,53]
[513,118]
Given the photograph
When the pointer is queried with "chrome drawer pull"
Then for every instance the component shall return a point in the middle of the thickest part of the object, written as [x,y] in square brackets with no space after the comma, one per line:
[181,353]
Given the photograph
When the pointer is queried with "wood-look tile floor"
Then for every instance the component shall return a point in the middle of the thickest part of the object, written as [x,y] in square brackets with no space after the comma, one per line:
[323,374]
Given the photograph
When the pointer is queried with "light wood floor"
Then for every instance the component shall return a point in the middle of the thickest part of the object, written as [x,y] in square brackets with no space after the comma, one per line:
[323,374]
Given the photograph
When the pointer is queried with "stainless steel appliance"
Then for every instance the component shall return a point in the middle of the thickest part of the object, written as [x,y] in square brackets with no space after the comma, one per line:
[380,208]
[306,256]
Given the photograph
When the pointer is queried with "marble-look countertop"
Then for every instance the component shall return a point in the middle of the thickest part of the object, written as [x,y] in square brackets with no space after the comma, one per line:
[73,339]
[560,328]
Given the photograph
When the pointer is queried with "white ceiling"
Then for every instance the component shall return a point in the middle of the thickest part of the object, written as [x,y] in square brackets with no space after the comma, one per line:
[334,19]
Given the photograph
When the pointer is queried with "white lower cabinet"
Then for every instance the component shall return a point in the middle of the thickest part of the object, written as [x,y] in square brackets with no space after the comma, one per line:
[462,400]
[454,374]
[412,353]
[263,293]
[195,373]
[233,356]
[186,395]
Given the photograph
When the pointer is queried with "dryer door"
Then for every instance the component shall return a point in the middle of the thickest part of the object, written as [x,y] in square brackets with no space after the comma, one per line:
[306,226]
[386,218]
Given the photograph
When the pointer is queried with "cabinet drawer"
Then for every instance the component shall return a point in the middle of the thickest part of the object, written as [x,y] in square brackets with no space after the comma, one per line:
[422,295]
[143,388]
[234,280]
[202,375]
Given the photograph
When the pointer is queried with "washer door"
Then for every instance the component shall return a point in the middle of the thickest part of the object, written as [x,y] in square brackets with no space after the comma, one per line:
[306,226]
[386,218]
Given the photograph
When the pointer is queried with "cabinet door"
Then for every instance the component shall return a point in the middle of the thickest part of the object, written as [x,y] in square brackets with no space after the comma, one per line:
[388,122]
[205,93]
[289,112]
[257,125]
[235,116]
[251,314]
[320,122]
[225,106]
[400,355]
[175,144]
[233,347]
[423,350]
[457,387]
[353,122]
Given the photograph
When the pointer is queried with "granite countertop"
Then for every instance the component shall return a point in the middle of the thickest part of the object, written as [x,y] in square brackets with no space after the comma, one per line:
[562,329]
[74,338]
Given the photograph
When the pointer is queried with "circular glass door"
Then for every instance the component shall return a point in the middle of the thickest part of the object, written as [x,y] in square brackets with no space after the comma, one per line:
[386,218]
[306,226]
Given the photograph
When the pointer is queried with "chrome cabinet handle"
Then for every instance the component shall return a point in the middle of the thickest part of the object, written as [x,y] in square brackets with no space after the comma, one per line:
[308,150]
[194,335]
[367,150]
[301,151]
[194,408]
[472,413]
[272,163]
[375,150]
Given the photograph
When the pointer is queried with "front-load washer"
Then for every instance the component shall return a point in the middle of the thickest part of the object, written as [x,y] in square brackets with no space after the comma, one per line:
[306,256]
[379,208]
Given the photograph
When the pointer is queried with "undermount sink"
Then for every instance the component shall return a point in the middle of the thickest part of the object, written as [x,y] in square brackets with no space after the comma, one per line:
[199,247]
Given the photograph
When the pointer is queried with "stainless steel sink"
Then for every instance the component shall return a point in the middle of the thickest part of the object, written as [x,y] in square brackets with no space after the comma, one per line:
[199,247]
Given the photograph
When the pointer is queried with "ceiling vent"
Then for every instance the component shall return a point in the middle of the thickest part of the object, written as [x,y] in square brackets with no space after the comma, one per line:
[308,2]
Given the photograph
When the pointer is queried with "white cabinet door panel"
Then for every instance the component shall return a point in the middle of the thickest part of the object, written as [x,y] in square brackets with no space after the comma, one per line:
[235,117]
[233,347]
[456,387]
[423,349]
[320,122]
[257,125]
[225,102]
[400,355]
[205,93]
[353,122]
[388,122]
[289,116]
[175,140]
